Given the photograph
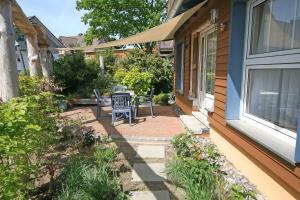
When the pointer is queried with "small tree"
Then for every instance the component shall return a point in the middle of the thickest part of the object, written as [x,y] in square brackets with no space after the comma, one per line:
[160,68]
[113,19]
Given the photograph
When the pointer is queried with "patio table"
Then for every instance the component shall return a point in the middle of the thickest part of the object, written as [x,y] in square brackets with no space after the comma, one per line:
[131,92]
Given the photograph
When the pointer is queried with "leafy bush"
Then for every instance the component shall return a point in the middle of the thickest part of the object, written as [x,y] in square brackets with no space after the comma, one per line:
[160,68]
[197,177]
[109,61]
[34,85]
[239,193]
[26,131]
[91,177]
[162,98]
[135,80]
[185,146]
[78,75]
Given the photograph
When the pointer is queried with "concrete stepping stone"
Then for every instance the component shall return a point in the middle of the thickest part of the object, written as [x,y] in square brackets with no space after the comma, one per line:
[149,172]
[150,195]
[193,124]
[151,151]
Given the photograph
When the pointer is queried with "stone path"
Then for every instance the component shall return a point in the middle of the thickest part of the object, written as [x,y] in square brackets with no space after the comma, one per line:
[147,179]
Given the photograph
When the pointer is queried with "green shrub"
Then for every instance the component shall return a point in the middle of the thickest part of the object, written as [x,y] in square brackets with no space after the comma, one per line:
[160,68]
[26,131]
[184,146]
[239,193]
[91,177]
[135,80]
[197,177]
[162,98]
[78,75]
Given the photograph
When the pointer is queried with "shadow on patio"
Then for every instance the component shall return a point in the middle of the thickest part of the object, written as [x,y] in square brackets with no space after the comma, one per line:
[144,130]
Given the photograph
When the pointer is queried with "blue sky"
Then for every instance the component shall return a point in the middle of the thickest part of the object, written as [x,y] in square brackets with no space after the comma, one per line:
[59,16]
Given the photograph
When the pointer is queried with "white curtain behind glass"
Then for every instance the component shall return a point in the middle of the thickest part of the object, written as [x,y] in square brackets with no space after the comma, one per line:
[276,26]
[274,95]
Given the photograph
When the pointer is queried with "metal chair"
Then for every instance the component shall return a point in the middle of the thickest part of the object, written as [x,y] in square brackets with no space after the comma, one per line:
[99,103]
[119,88]
[121,103]
[146,101]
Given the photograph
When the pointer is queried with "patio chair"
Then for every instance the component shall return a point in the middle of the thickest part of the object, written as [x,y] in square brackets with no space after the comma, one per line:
[146,101]
[119,88]
[121,104]
[99,103]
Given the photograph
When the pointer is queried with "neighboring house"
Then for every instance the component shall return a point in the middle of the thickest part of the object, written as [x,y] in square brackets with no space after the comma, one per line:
[21,47]
[165,48]
[78,41]
[237,70]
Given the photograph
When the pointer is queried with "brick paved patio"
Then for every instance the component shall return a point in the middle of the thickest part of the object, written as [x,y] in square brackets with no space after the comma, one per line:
[164,124]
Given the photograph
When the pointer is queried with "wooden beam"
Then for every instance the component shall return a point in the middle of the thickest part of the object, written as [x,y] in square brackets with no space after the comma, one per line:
[21,20]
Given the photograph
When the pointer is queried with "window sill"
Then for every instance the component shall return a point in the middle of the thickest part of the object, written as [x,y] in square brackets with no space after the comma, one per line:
[280,144]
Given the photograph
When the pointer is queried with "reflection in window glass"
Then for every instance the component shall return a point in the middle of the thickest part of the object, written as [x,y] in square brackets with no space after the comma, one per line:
[275,26]
[211,62]
[179,67]
[274,95]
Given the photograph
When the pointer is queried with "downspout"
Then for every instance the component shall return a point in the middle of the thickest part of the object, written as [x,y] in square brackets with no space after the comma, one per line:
[174,9]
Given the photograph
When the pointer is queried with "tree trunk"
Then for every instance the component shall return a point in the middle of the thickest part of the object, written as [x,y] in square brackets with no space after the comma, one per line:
[149,47]
[50,62]
[9,84]
[33,55]
[44,62]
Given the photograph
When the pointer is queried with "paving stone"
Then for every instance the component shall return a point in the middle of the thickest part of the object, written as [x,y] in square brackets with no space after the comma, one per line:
[151,151]
[149,172]
[193,124]
[150,195]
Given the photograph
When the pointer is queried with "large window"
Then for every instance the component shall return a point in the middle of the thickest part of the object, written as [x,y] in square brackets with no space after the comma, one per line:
[272,79]
[179,67]
[275,26]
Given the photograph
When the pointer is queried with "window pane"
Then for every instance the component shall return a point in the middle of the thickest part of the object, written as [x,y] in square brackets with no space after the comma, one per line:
[273,26]
[195,64]
[297,27]
[211,62]
[274,95]
[179,62]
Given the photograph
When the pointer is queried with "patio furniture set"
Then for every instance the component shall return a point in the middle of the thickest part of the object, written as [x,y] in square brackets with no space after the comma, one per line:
[124,103]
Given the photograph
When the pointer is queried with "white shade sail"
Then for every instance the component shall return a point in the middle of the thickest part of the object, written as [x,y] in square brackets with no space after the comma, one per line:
[161,32]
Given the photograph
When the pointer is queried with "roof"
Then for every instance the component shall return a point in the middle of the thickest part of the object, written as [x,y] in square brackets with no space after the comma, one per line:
[78,41]
[54,42]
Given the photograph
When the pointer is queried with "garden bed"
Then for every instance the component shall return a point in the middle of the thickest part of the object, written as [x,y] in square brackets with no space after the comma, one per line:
[204,173]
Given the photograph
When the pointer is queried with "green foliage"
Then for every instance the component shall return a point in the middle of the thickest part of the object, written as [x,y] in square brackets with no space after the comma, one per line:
[109,60]
[44,90]
[79,76]
[160,68]
[184,146]
[26,131]
[118,19]
[135,80]
[197,177]
[162,98]
[239,193]
[91,177]
[104,83]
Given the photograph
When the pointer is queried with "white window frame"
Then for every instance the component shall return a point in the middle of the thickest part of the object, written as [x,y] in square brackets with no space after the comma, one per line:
[269,55]
[206,26]
[181,42]
[285,59]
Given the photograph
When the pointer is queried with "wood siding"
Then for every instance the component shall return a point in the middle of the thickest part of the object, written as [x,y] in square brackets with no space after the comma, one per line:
[286,175]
